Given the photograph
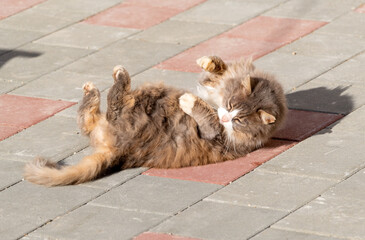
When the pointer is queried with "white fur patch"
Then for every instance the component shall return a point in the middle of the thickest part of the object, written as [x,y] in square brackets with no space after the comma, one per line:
[228,126]
[187,102]
[211,95]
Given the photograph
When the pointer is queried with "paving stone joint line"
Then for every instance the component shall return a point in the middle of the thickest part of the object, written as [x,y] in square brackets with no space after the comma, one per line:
[315,197]
[338,64]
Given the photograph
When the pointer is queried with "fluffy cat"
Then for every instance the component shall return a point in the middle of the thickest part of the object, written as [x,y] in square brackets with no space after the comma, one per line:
[262,98]
[163,127]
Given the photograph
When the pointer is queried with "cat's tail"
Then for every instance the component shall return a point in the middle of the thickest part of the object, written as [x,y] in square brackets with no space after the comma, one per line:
[44,172]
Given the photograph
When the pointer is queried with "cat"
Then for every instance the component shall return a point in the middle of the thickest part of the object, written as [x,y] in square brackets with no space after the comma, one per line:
[163,127]
[220,86]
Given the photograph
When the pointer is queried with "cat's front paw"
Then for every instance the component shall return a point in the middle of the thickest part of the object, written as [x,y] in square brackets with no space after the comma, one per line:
[88,87]
[187,102]
[206,63]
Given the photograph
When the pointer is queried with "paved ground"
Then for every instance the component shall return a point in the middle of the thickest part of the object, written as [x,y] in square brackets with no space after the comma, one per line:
[307,183]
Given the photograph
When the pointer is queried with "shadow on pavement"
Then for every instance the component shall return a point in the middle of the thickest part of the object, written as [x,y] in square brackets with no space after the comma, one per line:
[322,99]
[6,55]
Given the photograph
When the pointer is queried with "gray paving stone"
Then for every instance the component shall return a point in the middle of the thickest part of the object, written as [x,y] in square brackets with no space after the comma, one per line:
[74,10]
[10,173]
[266,190]
[347,123]
[323,10]
[105,182]
[225,12]
[86,36]
[321,95]
[52,15]
[155,194]
[26,206]
[351,188]
[35,21]
[184,80]
[55,138]
[294,70]
[9,85]
[136,56]
[70,112]
[11,38]
[33,60]
[349,72]
[62,85]
[329,154]
[335,45]
[339,90]
[93,222]
[329,216]
[208,220]
[276,234]
[351,23]
[181,32]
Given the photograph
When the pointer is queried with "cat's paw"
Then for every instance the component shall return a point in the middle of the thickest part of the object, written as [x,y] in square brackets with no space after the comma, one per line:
[119,72]
[88,87]
[187,102]
[206,63]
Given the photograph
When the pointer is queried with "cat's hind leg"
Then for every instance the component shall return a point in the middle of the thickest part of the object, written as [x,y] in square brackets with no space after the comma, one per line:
[121,76]
[89,111]
[204,115]
[119,94]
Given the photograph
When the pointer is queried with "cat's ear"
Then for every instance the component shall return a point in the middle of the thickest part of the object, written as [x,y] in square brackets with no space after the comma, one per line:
[246,82]
[266,118]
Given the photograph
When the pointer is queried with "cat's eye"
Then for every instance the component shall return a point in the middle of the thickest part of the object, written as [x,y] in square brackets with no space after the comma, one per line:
[237,120]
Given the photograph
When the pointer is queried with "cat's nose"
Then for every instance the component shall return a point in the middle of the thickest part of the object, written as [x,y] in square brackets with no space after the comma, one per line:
[226,118]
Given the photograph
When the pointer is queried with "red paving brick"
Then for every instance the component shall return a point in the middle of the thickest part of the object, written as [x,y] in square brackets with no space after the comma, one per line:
[273,29]
[254,38]
[302,124]
[160,236]
[225,172]
[10,7]
[186,61]
[18,112]
[361,9]
[141,14]
[7,130]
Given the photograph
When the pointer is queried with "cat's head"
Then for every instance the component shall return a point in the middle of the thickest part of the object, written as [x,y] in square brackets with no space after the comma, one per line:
[249,107]
[216,72]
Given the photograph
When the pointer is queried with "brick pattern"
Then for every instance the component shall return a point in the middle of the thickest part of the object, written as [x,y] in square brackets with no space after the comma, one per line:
[332,156]
[149,14]
[254,38]
[18,112]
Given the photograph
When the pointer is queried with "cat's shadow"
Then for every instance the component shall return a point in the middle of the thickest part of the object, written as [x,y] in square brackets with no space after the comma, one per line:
[322,99]
[8,54]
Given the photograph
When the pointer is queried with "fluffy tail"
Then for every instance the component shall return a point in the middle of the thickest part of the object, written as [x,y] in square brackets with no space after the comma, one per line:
[47,173]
